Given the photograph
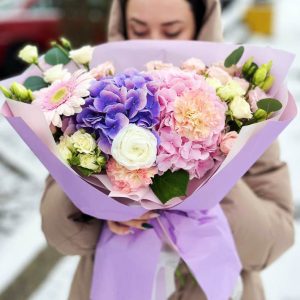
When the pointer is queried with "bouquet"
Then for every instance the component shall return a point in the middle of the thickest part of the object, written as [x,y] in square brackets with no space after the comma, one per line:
[134,126]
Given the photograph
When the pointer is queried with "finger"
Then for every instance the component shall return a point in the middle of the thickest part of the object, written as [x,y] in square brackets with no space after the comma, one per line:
[148,216]
[118,228]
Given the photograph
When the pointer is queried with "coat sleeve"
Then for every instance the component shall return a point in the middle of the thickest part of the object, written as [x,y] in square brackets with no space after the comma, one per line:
[260,211]
[65,227]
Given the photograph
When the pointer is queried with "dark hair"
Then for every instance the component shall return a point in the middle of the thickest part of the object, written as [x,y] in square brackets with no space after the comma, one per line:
[198,8]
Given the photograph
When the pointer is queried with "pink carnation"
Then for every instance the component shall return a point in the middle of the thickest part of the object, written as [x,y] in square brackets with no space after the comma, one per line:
[128,181]
[228,141]
[192,121]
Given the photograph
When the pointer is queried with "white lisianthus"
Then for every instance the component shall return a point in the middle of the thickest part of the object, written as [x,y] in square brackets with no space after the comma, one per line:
[55,73]
[240,108]
[194,65]
[29,54]
[64,149]
[230,90]
[83,55]
[213,82]
[135,148]
[83,142]
[89,162]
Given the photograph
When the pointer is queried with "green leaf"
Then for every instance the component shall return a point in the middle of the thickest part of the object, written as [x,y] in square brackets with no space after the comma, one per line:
[56,56]
[269,105]
[234,57]
[85,172]
[74,161]
[35,83]
[170,185]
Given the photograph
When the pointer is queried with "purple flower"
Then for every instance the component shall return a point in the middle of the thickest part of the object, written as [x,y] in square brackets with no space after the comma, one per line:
[115,102]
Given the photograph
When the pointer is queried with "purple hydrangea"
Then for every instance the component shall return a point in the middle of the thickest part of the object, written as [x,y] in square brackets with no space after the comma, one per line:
[117,101]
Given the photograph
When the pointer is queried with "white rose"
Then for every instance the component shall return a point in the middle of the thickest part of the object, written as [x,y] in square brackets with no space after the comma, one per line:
[83,55]
[134,148]
[240,108]
[103,70]
[64,150]
[83,142]
[231,90]
[55,73]
[89,162]
[29,54]
[194,64]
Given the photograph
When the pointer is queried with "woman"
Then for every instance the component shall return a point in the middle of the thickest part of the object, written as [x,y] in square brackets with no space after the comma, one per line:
[259,208]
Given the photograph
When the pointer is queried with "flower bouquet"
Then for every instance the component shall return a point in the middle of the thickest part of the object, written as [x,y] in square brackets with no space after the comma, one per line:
[129,127]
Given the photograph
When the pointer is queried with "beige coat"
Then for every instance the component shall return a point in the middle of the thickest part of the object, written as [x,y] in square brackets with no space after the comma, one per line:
[259,209]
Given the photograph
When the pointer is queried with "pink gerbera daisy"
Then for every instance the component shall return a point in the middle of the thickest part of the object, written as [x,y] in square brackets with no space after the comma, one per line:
[64,97]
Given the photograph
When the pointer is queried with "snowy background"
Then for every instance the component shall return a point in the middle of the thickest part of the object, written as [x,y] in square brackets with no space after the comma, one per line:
[22,245]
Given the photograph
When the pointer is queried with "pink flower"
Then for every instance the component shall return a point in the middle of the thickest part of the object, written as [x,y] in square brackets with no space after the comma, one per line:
[232,71]
[192,120]
[128,181]
[228,141]
[254,96]
[220,74]
[63,97]
[103,70]
[194,65]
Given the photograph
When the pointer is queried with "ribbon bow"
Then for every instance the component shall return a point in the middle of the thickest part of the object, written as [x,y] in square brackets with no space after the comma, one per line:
[125,266]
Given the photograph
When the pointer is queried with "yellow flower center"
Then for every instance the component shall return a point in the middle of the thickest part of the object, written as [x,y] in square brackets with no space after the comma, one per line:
[59,95]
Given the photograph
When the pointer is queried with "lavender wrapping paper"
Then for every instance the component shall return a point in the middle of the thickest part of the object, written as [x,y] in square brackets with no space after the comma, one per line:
[125,265]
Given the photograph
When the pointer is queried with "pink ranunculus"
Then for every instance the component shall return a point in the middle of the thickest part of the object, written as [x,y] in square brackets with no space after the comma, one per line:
[228,141]
[219,73]
[254,96]
[232,71]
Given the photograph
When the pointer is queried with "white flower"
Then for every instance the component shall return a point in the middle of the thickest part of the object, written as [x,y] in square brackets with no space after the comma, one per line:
[103,70]
[29,54]
[89,162]
[83,55]
[194,64]
[240,108]
[134,148]
[83,142]
[213,82]
[231,90]
[64,148]
[56,73]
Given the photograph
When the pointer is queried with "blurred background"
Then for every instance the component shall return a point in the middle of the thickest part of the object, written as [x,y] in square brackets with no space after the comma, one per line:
[29,269]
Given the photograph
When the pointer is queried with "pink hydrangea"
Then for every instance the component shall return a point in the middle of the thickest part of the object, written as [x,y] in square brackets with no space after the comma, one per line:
[128,181]
[192,121]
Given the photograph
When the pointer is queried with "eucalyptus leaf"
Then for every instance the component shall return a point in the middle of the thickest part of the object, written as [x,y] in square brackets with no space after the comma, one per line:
[269,105]
[170,185]
[56,56]
[35,83]
[234,57]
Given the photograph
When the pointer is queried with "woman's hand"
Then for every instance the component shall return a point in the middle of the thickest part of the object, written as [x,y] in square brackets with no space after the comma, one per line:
[124,228]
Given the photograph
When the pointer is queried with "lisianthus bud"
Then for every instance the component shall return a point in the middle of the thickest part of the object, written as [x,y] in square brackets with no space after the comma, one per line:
[260,76]
[260,115]
[29,54]
[20,92]
[247,65]
[5,92]
[66,43]
[101,160]
[268,83]
[230,90]
[82,56]
[240,108]
[268,66]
